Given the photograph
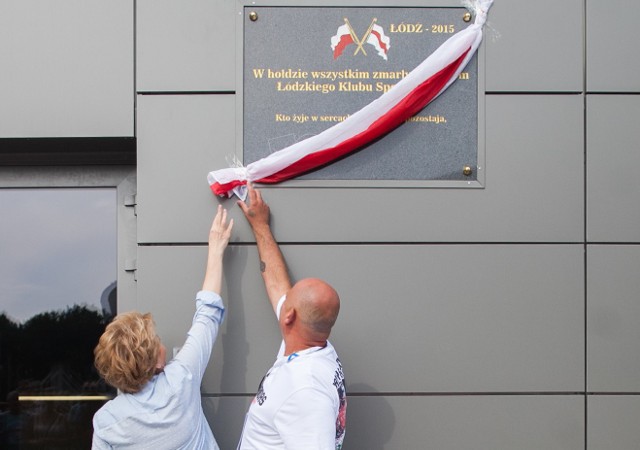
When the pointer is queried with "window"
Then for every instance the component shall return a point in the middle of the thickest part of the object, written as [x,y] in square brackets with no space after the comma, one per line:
[58,271]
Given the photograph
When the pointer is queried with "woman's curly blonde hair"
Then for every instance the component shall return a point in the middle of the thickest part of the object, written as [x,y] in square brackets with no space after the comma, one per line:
[127,354]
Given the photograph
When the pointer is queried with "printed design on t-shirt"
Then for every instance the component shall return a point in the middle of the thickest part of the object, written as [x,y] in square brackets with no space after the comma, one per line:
[341,420]
[261,396]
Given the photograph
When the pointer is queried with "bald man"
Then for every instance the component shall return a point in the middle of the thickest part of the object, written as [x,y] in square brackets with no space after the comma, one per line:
[301,402]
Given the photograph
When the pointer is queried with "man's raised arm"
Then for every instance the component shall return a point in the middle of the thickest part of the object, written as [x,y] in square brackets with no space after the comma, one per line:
[272,265]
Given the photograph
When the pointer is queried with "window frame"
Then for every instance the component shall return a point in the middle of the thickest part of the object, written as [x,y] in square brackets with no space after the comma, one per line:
[120,177]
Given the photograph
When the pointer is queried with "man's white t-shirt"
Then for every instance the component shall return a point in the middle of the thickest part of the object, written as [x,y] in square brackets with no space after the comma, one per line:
[301,403]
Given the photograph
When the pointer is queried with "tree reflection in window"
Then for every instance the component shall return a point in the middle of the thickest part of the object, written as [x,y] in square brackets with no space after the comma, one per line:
[57,269]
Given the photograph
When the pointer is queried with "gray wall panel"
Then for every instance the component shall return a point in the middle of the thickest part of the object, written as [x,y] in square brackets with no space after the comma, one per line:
[472,318]
[444,423]
[168,280]
[613,312]
[612,46]
[535,47]
[534,184]
[613,157]
[465,423]
[67,68]
[534,171]
[185,46]
[463,318]
[613,422]
[226,418]
[179,139]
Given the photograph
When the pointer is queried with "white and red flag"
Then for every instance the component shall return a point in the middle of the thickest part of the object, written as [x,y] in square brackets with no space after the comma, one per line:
[405,99]
[379,40]
[342,38]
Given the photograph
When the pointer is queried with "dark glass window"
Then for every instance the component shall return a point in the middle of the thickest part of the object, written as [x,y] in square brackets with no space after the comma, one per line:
[58,292]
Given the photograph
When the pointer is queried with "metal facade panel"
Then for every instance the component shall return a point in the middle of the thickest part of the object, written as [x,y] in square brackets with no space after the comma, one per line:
[534,189]
[185,46]
[380,422]
[477,318]
[465,422]
[534,186]
[462,318]
[67,68]
[613,156]
[127,243]
[180,138]
[613,312]
[535,48]
[226,418]
[612,46]
[168,280]
[613,422]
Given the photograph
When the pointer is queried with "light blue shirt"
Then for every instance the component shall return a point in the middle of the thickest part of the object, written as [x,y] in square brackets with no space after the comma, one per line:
[167,412]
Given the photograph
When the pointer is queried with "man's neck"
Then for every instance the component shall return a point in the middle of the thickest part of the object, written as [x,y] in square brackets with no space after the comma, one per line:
[293,345]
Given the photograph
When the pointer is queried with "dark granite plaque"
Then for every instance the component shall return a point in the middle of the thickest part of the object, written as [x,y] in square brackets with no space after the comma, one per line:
[295,86]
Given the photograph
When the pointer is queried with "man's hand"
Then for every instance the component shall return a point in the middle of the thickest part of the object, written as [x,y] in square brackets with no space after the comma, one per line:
[257,211]
[272,265]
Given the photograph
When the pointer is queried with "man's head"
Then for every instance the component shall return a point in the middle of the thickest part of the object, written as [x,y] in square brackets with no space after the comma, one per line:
[129,352]
[312,306]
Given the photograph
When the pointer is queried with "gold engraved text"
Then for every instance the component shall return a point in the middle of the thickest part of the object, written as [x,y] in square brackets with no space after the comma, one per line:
[406,28]
[430,119]
[306,86]
[390,75]
[347,74]
[443,29]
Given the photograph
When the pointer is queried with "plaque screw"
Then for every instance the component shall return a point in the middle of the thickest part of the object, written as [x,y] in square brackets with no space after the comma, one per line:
[253,16]
[466,17]
[467,171]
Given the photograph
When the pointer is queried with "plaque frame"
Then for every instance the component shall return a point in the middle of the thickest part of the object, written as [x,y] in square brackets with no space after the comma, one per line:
[480,164]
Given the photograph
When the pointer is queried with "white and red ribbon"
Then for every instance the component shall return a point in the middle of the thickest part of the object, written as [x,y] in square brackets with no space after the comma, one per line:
[391,109]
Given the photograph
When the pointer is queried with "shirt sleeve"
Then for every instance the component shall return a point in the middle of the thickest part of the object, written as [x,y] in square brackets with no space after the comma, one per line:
[279,305]
[196,351]
[307,419]
[99,444]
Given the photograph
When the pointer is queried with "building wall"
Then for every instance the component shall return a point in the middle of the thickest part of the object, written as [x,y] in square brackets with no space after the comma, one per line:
[493,318]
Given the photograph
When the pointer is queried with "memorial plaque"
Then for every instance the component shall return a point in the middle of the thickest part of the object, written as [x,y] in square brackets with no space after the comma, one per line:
[295,85]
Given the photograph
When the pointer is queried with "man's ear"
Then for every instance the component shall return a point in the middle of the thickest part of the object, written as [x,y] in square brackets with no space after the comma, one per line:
[290,316]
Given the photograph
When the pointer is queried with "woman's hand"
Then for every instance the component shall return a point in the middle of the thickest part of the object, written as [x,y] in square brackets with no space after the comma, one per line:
[220,232]
[219,236]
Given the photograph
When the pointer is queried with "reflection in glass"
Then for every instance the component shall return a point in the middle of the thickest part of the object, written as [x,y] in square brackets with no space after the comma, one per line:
[57,293]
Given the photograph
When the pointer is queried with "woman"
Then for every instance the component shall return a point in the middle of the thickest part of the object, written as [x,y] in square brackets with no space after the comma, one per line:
[160,407]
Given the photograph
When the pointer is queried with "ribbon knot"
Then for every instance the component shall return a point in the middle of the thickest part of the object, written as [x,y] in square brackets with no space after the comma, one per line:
[479,8]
